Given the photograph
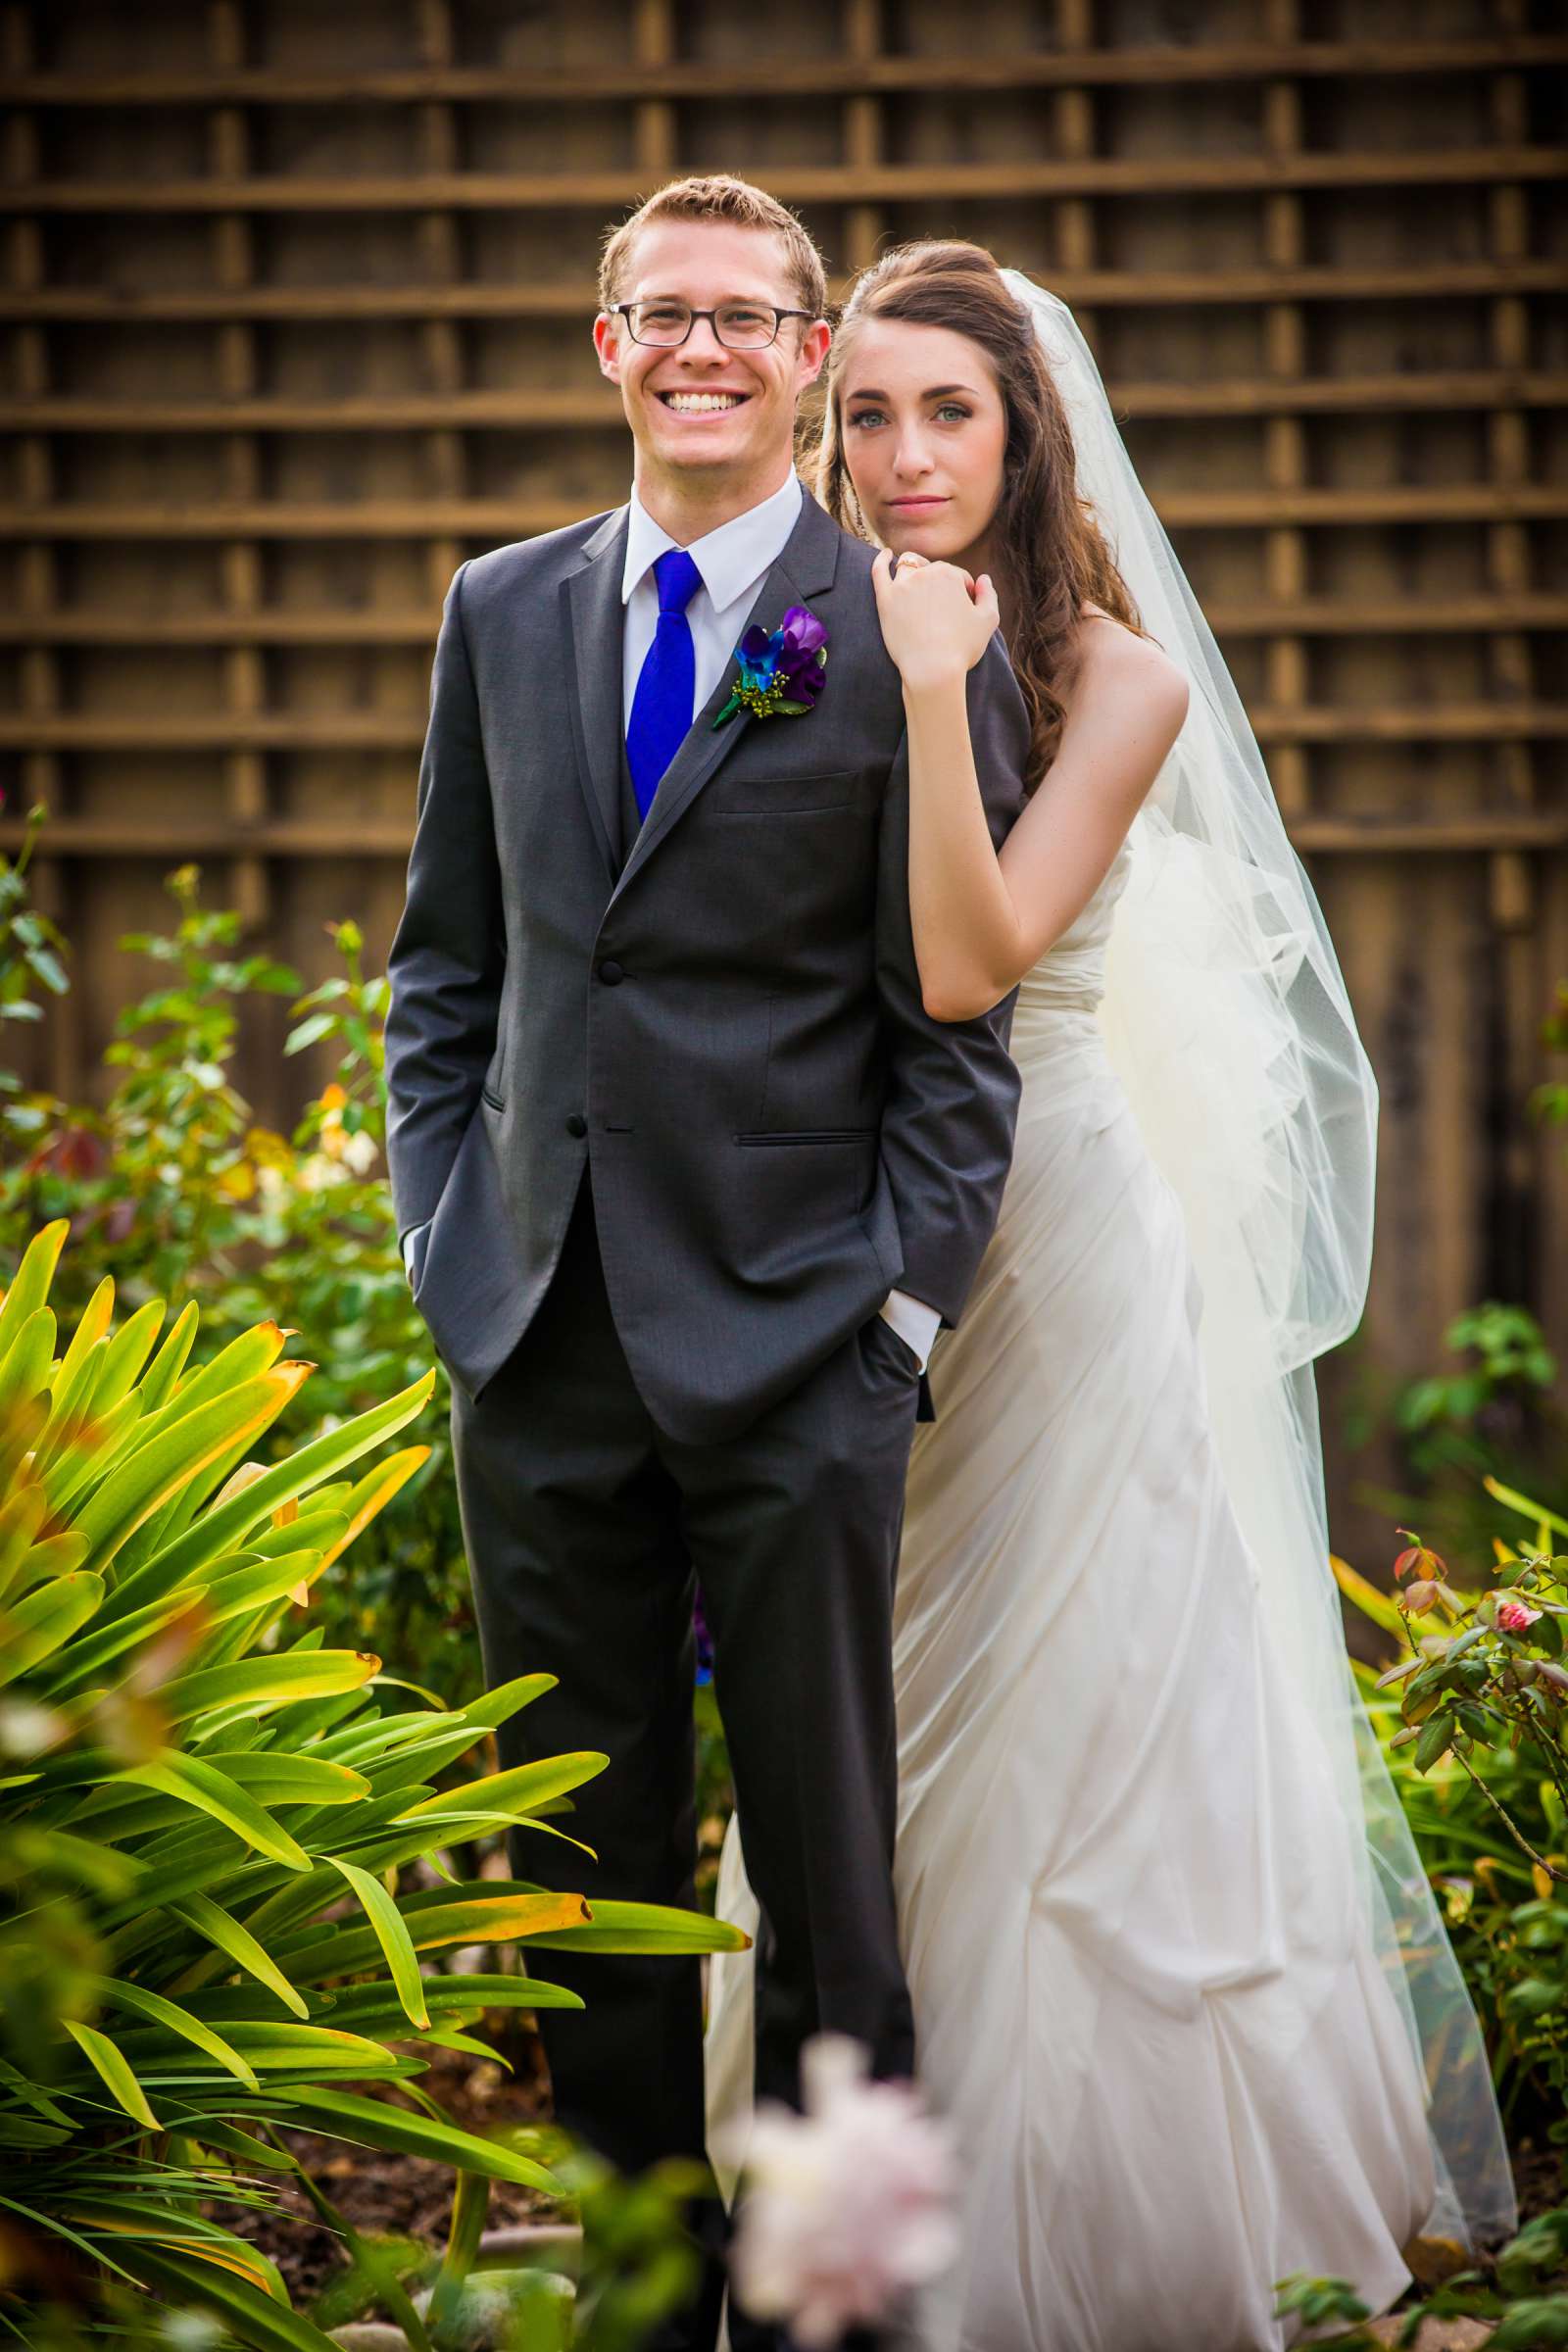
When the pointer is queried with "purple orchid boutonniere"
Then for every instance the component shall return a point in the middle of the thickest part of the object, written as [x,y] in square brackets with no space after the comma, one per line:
[781,669]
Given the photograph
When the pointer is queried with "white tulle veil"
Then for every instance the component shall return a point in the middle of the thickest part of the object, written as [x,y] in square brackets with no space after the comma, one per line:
[1229,1025]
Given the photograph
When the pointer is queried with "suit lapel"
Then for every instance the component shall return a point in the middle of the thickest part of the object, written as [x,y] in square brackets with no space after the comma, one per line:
[592,620]
[804,568]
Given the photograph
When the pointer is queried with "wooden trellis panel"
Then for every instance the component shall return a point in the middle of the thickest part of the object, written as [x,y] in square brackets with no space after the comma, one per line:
[296,304]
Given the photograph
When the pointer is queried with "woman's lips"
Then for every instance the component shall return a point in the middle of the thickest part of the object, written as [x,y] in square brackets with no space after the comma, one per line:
[918,502]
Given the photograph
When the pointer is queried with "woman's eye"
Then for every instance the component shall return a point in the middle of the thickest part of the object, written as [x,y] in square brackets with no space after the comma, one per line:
[951,407]
[867,416]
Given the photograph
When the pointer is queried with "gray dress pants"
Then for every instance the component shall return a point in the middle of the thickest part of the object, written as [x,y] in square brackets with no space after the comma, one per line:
[586,1527]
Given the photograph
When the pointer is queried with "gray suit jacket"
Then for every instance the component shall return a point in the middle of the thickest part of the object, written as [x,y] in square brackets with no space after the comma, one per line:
[726,1029]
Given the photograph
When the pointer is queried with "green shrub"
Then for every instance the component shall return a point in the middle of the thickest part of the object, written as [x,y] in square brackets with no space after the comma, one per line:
[177,1194]
[1509,2296]
[174,1190]
[1472,1716]
[204,1817]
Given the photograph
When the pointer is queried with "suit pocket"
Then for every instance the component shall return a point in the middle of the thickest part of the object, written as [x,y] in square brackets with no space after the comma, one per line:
[789,796]
[811,1135]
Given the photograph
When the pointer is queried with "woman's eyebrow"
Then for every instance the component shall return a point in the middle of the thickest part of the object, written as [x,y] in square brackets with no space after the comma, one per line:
[935,392]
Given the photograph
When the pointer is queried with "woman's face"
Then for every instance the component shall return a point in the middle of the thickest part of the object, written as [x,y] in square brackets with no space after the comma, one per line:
[925,432]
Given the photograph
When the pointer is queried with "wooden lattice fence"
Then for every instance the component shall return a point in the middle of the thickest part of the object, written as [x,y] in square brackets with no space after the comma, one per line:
[297,301]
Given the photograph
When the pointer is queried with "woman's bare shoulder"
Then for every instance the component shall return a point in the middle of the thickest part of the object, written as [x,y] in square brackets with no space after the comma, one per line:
[1108,652]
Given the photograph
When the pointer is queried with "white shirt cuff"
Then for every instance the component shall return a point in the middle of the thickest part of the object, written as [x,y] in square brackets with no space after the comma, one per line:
[915,1323]
[408,1239]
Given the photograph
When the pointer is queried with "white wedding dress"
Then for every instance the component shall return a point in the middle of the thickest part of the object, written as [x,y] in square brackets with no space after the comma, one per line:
[1144,1989]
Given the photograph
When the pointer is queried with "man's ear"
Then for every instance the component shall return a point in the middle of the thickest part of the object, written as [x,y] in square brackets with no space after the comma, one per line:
[606,342]
[815,339]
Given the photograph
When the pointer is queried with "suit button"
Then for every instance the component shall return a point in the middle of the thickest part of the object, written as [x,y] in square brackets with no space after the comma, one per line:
[610,972]
[576,1124]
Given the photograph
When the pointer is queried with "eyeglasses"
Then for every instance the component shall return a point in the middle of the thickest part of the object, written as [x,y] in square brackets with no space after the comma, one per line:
[738,325]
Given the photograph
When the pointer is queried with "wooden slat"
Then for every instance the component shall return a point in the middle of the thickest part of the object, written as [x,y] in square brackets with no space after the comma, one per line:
[496,522]
[796,75]
[393,730]
[596,411]
[1513,778]
[232,243]
[1284,451]
[204,835]
[802,183]
[325,626]
[43,779]
[1103,289]
[1229,217]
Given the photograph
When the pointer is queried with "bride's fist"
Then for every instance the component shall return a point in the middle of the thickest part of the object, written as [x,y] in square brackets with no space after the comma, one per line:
[936,622]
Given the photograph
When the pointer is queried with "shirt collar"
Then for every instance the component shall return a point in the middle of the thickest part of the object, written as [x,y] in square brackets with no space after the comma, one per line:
[731,559]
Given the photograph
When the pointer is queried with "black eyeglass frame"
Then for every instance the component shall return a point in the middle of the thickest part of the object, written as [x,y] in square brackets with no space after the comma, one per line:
[624,310]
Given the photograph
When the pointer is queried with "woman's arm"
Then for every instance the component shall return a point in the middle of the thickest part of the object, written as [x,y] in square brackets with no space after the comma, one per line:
[981,920]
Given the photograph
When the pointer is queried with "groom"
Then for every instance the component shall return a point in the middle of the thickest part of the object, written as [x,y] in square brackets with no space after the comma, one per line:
[684,1174]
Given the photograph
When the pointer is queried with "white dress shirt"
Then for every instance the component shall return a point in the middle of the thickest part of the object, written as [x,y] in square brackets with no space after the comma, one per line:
[733,560]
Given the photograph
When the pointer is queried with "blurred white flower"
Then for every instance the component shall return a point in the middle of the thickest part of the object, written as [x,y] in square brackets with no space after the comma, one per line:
[359,1151]
[847,2207]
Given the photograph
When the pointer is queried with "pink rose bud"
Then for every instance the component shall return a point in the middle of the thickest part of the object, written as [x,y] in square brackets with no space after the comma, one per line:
[1514,1617]
[845,2208]
[1418,1596]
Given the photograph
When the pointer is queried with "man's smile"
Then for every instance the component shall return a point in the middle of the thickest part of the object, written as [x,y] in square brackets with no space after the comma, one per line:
[703,403]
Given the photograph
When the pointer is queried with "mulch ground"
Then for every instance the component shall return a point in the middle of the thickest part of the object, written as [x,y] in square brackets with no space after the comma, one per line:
[381,2194]
[385,2196]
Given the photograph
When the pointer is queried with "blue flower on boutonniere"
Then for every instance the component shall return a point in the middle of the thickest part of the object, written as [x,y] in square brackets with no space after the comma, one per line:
[781,669]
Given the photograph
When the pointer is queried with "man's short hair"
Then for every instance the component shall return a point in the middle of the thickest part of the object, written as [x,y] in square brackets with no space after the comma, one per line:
[719,197]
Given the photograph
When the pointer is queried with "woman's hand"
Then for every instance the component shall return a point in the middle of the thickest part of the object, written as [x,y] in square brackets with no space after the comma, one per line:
[936,622]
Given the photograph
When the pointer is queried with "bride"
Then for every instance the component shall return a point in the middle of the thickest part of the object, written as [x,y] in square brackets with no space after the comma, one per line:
[1178,1978]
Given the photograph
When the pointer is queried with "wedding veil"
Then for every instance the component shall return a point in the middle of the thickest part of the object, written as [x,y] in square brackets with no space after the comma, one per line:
[1227,1020]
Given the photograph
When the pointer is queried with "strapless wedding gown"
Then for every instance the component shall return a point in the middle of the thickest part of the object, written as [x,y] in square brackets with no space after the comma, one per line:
[1142,1992]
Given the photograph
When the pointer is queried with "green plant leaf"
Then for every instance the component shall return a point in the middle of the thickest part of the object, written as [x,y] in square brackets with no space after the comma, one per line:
[236,1944]
[30,1289]
[281,2044]
[34,1628]
[128,1351]
[380,2125]
[643,1928]
[196,1782]
[86,1658]
[1535,1511]
[261,1580]
[161,2012]
[190,2280]
[393,1936]
[153,1471]
[516,1792]
[26,1368]
[162,1375]
[21,1512]
[456,1996]
[471,2207]
[225,1525]
[257,1684]
[1436,1734]
[277,1780]
[110,2066]
[476,1919]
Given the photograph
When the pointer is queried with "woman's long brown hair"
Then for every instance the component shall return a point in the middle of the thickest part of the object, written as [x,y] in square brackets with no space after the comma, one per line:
[1049,545]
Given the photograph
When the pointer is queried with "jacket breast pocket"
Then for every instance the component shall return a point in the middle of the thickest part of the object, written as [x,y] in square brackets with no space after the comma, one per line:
[847,788]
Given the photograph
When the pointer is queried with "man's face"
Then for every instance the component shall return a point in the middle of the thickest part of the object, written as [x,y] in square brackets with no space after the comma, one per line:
[699,407]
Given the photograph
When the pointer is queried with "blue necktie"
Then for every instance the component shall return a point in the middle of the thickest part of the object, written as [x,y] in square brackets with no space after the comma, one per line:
[661,708]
